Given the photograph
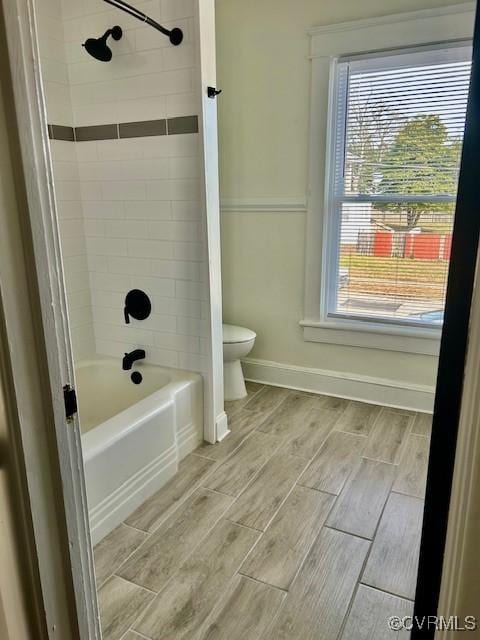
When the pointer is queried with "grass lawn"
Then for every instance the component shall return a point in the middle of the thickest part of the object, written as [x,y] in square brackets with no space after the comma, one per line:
[395,276]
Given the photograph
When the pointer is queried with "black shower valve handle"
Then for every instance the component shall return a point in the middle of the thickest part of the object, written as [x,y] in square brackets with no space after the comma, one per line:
[126,314]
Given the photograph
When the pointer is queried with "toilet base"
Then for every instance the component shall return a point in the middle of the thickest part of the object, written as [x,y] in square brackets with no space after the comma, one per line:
[233,381]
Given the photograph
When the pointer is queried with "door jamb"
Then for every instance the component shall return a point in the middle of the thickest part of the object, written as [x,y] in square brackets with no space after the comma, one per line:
[444,507]
[467,462]
[20,27]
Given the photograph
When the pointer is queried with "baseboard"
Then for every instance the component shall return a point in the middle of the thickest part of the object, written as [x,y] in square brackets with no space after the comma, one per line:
[221,426]
[188,439]
[391,393]
[122,502]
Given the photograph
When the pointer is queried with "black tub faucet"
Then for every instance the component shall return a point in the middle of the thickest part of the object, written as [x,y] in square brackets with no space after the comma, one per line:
[130,358]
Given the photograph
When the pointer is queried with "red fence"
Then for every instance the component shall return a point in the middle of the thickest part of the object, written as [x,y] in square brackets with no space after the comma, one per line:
[419,246]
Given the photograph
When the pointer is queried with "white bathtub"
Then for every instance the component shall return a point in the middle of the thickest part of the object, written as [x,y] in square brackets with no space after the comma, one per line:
[133,436]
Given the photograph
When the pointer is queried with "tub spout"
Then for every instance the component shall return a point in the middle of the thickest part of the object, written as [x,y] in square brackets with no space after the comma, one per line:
[130,358]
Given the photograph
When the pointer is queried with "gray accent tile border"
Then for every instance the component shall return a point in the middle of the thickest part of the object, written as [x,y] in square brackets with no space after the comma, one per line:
[185,124]
[143,128]
[60,132]
[96,132]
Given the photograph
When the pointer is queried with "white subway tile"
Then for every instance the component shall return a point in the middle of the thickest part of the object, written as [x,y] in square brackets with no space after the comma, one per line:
[67,190]
[83,343]
[95,227]
[103,210]
[175,269]
[152,169]
[155,286]
[150,249]
[130,266]
[189,344]
[113,349]
[128,334]
[190,290]
[108,299]
[192,326]
[94,114]
[155,147]
[163,357]
[179,57]
[73,264]
[177,307]
[157,322]
[189,251]
[125,149]
[138,109]
[86,151]
[184,167]
[193,362]
[182,104]
[97,263]
[90,190]
[130,209]
[69,209]
[77,281]
[79,299]
[63,151]
[185,144]
[188,231]
[80,317]
[187,210]
[148,210]
[110,282]
[129,190]
[65,171]
[171,9]
[73,246]
[107,246]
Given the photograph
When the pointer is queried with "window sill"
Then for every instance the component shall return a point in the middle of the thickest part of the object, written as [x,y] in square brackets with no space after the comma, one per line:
[373,336]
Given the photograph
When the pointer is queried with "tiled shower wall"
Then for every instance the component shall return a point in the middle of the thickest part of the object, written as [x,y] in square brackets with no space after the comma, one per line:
[141,218]
[67,181]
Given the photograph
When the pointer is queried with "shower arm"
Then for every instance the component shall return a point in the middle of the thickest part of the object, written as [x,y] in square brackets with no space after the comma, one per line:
[124,6]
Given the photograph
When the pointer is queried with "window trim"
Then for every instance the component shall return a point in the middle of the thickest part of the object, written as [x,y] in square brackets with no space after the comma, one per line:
[418,29]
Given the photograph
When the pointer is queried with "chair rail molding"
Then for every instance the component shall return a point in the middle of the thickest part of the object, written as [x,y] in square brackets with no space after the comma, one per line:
[264,205]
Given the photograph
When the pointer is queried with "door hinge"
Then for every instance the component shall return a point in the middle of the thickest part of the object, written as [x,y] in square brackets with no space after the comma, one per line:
[70,399]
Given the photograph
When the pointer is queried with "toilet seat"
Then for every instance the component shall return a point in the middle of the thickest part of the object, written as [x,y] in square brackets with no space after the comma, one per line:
[233,334]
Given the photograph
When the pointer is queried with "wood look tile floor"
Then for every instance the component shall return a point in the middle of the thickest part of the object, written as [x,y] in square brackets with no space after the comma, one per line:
[304,523]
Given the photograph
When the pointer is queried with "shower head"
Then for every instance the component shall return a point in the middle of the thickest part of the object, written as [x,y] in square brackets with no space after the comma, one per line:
[98,47]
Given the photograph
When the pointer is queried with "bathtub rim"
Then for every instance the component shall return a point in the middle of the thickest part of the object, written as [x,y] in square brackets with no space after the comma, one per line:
[110,431]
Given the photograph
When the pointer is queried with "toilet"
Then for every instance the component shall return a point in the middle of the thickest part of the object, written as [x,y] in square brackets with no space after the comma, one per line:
[237,344]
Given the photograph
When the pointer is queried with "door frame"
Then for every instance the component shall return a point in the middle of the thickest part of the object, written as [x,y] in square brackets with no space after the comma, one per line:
[47,272]
[216,421]
[40,223]
[454,441]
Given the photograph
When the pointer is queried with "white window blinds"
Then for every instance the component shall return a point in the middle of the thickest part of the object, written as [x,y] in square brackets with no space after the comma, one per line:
[398,129]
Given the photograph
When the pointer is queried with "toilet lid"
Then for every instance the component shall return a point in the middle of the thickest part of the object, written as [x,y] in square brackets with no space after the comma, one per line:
[232,334]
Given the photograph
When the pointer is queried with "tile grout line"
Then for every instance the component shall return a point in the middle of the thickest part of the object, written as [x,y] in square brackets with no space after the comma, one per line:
[371,543]
[389,593]
[262,582]
[261,532]
[214,468]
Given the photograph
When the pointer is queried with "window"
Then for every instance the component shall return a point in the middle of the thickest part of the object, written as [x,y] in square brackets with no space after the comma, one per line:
[396,127]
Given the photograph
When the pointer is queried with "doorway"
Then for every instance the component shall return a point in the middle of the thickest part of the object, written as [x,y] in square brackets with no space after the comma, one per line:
[193,497]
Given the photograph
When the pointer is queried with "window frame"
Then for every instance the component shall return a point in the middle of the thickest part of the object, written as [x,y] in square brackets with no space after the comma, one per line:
[380,37]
